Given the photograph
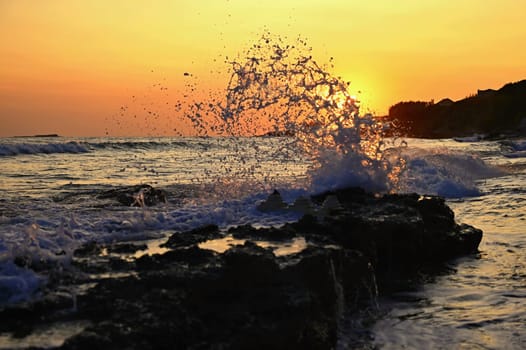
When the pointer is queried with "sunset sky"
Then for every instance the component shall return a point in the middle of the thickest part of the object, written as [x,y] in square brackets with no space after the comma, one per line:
[68,66]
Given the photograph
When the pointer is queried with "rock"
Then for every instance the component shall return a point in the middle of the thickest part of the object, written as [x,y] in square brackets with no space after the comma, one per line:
[435,213]
[330,205]
[244,301]
[126,248]
[88,249]
[302,205]
[250,265]
[274,202]
[188,238]
[398,230]
[266,234]
[191,256]
[136,196]
[347,197]
[464,240]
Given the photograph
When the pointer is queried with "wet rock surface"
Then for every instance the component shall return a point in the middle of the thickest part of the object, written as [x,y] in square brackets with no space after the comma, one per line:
[191,237]
[247,297]
[135,196]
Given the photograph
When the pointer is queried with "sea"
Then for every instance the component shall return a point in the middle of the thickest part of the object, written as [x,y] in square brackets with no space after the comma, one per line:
[50,204]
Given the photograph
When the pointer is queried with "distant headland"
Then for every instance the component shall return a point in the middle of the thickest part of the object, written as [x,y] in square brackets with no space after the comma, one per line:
[492,113]
[39,135]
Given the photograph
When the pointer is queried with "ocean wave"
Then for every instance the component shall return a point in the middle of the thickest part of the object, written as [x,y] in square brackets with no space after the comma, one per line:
[352,169]
[127,145]
[431,172]
[85,146]
[444,173]
[16,283]
[44,148]
[146,145]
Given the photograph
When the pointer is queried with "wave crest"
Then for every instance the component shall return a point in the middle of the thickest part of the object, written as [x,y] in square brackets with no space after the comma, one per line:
[44,148]
[443,173]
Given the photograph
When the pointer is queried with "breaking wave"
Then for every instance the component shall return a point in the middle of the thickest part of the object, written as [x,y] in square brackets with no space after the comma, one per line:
[14,148]
[444,173]
[47,148]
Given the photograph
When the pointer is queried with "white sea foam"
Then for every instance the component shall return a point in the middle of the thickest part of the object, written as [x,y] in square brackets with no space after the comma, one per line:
[16,283]
[349,170]
[444,173]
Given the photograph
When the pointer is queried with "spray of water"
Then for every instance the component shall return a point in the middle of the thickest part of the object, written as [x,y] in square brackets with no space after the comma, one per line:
[275,87]
[279,89]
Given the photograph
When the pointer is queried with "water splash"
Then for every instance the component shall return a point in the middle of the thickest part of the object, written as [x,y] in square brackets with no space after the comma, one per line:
[444,172]
[277,88]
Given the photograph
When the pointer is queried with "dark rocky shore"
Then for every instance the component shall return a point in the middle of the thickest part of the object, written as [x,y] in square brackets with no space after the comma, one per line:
[249,296]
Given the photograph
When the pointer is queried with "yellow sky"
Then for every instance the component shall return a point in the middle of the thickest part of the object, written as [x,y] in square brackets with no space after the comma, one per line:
[67,66]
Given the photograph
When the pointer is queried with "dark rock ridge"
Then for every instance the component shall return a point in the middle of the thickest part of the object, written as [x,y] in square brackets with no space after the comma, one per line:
[38,135]
[141,195]
[489,112]
[138,195]
[247,297]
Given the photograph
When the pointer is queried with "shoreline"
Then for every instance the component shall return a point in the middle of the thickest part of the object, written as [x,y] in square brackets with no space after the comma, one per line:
[248,295]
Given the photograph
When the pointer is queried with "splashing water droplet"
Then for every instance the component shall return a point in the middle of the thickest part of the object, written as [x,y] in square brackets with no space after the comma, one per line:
[279,89]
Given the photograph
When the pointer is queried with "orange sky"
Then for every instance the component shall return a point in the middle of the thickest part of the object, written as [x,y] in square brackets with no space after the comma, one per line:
[67,66]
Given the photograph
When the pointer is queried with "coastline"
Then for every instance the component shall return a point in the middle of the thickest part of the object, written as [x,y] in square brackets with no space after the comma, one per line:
[358,247]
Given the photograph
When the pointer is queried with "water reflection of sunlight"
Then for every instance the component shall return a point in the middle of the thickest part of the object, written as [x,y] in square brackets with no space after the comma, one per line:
[478,304]
[495,213]
[220,245]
